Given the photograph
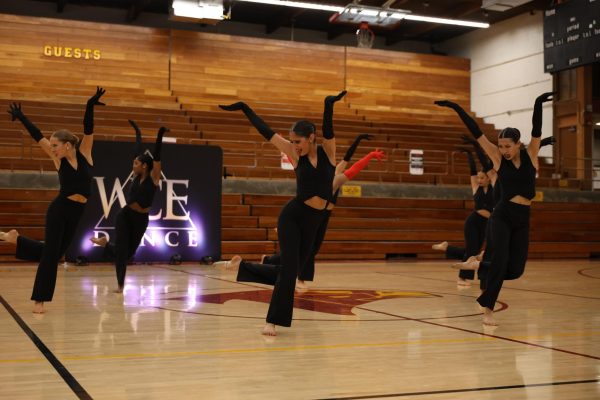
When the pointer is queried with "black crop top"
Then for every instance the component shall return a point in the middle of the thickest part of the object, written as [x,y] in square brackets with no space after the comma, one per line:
[311,181]
[141,192]
[517,182]
[75,181]
[484,200]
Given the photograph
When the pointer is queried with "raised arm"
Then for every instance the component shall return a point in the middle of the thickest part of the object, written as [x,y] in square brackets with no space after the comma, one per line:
[472,169]
[278,141]
[328,135]
[358,166]
[486,164]
[490,149]
[35,133]
[157,166]
[88,125]
[536,126]
[137,147]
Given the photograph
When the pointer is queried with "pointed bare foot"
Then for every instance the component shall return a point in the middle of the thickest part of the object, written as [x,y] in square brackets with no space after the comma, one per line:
[262,258]
[440,246]
[488,317]
[301,286]
[269,330]
[118,290]
[99,241]
[234,263]
[38,307]
[10,236]
[479,256]
[471,264]
[463,282]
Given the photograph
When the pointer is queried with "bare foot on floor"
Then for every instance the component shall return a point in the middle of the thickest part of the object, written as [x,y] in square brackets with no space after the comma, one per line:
[100,241]
[301,286]
[488,317]
[38,307]
[471,264]
[463,282]
[269,330]
[10,236]
[118,290]
[440,246]
[234,263]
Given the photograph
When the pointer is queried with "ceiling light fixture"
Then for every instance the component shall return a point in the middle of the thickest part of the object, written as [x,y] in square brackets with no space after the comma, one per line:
[371,12]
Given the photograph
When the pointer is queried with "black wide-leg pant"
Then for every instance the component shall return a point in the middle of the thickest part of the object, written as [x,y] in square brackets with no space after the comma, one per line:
[510,237]
[307,271]
[129,230]
[62,218]
[296,229]
[474,232]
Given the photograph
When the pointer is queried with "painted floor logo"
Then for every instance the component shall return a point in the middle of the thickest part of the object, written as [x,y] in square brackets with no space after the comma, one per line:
[338,302]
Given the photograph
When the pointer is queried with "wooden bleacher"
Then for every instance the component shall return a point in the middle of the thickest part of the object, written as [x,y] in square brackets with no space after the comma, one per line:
[360,228]
[177,79]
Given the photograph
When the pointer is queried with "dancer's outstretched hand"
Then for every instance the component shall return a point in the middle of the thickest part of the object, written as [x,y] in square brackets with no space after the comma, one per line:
[364,136]
[544,97]
[378,154]
[333,99]
[135,126]
[240,105]
[548,141]
[15,112]
[444,103]
[95,99]
[162,131]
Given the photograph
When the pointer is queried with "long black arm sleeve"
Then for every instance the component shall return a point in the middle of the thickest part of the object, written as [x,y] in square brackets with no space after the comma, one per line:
[254,119]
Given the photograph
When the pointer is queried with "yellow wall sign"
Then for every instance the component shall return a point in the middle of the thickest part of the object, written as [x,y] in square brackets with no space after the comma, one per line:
[351,191]
[71,52]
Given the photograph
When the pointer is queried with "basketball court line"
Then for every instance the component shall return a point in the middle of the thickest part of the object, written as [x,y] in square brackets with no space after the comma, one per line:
[69,379]
[479,389]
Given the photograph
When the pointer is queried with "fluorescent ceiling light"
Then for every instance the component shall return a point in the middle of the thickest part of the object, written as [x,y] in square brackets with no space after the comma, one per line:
[447,21]
[396,14]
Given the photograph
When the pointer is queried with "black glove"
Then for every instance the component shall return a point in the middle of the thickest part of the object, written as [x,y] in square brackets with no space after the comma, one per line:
[466,118]
[354,145]
[536,119]
[254,119]
[158,144]
[470,160]
[328,114]
[547,141]
[137,148]
[88,118]
[486,163]
[15,112]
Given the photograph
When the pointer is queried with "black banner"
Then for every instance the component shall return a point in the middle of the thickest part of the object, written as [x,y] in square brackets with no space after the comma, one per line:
[571,35]
[186,213]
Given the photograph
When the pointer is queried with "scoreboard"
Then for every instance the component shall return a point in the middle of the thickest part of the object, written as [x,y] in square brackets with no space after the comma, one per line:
[571,35]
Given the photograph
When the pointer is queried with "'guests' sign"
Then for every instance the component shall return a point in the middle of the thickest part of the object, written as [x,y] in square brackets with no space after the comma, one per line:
[72,52]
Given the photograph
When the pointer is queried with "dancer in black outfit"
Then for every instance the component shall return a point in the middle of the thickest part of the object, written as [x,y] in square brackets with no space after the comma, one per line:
[300,218]
[486,255]
[516,170]
[74,164]
[476,222]
[132,220]
[307,272]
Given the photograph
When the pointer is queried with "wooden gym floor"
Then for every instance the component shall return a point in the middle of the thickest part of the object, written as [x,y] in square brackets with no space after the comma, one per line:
[365,330]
